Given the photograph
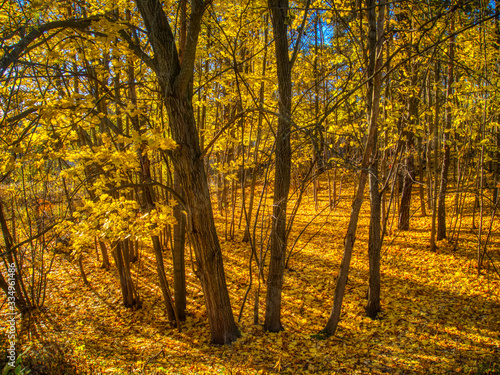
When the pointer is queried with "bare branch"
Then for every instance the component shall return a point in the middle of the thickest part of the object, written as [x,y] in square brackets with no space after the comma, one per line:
[299,37]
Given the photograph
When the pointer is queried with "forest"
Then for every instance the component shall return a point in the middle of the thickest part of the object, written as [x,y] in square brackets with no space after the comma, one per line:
[249,187]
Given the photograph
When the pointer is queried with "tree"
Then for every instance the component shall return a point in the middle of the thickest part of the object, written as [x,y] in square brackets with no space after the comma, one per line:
[174,80]
[375,43]
[441,210]
[279,13]
[280,18]
[369,152]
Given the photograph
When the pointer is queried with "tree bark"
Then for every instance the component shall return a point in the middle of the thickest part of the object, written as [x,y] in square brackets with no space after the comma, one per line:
[374,245]
[126,282]
[200,223]
[178,255]
[375,38]
[180,227]
[283,155]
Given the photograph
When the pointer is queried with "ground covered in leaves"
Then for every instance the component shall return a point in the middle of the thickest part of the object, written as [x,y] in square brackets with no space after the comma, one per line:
[439,316]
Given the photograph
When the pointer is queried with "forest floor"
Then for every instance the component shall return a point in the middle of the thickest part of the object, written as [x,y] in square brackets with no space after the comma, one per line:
[439,316]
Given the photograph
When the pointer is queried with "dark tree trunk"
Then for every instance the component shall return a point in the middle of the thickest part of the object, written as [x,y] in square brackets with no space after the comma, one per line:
[150,203]
[496,171]
[421,175]
[374,245]
[409,173]
[441,212]
[435,144]
[123,267]
[178,255]
[375,38]
[409,177]
[105,258]
[22,302]
[180,227]
[279,16]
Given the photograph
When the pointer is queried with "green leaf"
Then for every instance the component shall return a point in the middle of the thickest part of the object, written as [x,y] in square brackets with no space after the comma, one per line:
[6,369]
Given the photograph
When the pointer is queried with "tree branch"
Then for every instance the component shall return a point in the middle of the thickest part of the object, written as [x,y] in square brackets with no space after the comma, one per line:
[145,58]
[299,37]
[187,67]
[177,197]
[17,50]
[162,41]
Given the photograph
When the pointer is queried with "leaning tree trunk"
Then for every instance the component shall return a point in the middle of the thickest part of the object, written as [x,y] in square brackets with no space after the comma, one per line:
[350,237]
[200,223]
[150,201]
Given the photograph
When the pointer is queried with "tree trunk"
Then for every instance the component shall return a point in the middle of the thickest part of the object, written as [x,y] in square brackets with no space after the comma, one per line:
[126,282]
[409,173]
[174,79]
[432,244]
[178,255]
[409,177]
[22,302]
[441,214]
[350,237]
[105,258]
[200,224]
[375,36]
[374,245]
[283,154]
[247,235]
[421,178]
[180,227]
[150,200]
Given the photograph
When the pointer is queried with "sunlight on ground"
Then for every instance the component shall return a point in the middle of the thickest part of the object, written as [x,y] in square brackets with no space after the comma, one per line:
[438,315]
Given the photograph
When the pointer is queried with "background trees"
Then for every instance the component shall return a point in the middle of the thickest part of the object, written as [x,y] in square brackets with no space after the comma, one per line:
[121,123]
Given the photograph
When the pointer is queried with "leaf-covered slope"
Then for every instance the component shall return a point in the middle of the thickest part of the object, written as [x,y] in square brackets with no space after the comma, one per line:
[438,315]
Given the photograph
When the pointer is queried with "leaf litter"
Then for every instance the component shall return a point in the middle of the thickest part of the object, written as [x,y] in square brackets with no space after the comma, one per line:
[438,315]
